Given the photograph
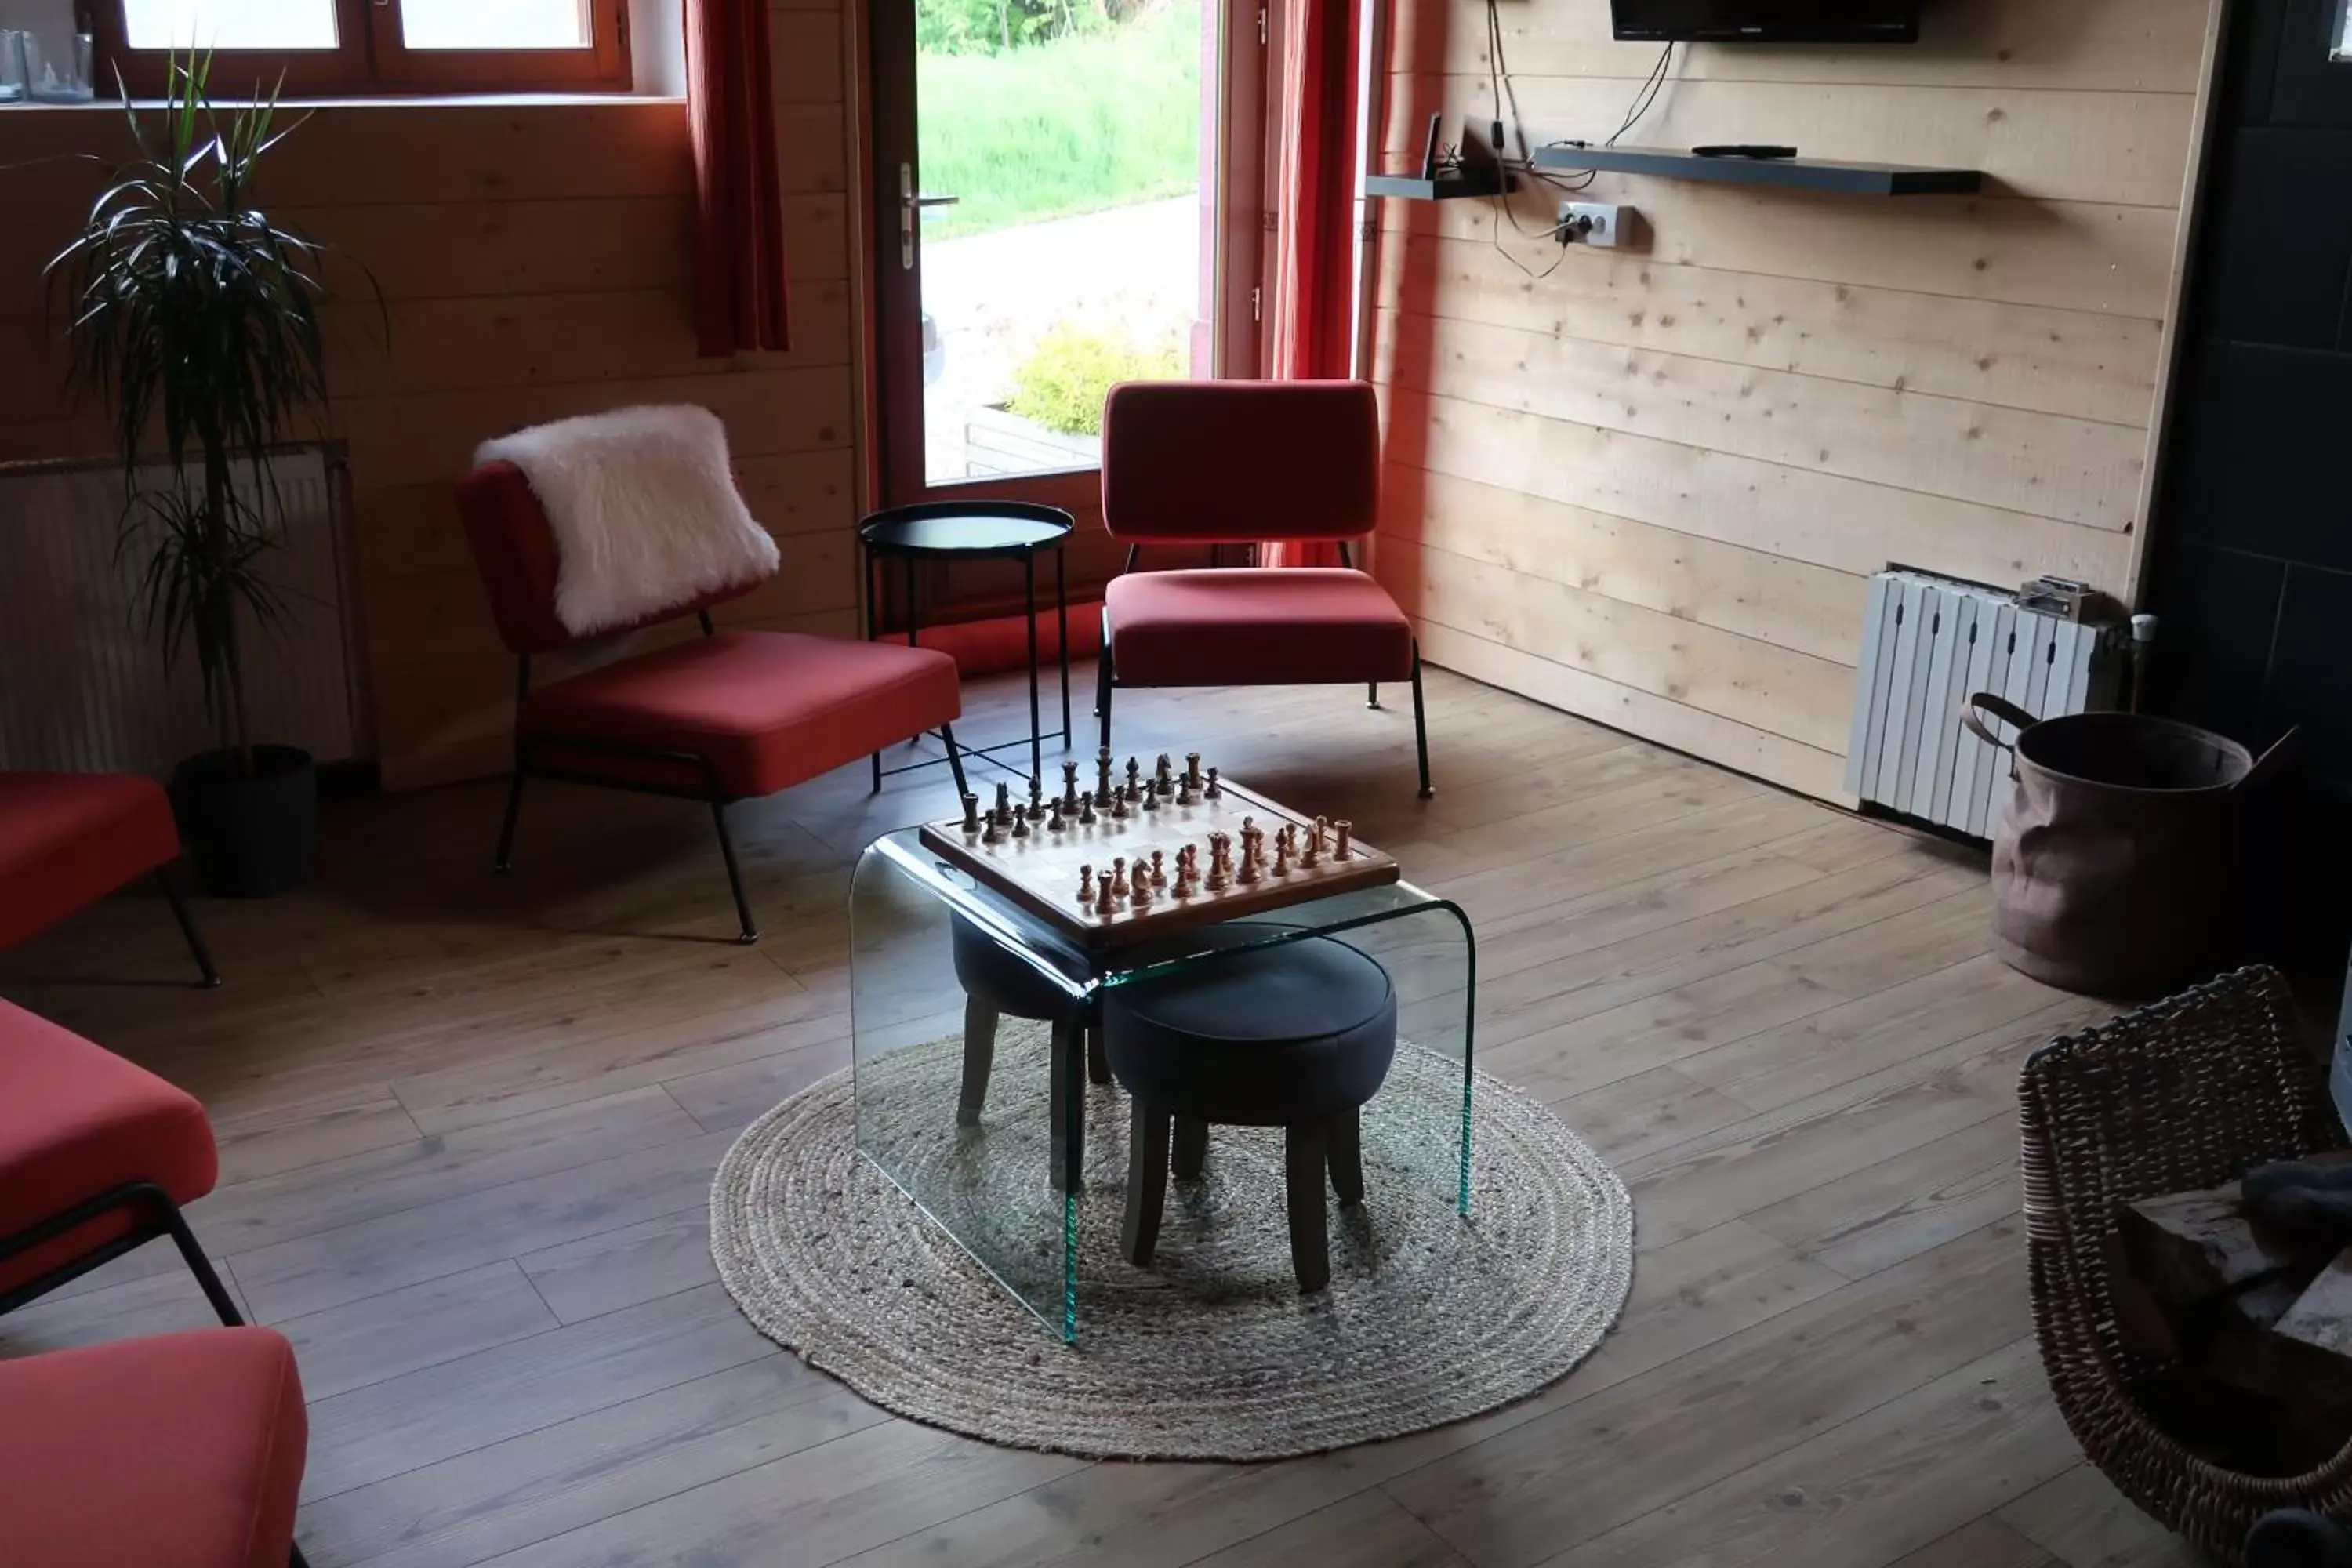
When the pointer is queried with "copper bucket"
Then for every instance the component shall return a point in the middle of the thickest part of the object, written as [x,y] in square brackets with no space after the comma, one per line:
[2118,866]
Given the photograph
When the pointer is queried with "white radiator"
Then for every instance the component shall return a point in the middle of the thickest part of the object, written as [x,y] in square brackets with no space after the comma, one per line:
[1928,644]
[81,685]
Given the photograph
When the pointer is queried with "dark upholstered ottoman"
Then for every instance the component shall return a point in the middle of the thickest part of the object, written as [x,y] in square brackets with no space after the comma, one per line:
[995,983]
[1298,1037]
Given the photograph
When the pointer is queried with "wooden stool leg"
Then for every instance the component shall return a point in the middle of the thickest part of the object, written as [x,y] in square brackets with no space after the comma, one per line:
[1065,1104]
[1192,1148]
[1147,1183]
[1347,1156]
[1098,1057]
[979,1058]
[1303,1161]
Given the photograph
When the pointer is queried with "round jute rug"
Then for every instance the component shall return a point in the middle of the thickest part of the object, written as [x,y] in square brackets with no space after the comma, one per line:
[1211,1353]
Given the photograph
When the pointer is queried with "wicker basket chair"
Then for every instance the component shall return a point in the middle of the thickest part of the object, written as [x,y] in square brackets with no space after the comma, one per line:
[2184,1094]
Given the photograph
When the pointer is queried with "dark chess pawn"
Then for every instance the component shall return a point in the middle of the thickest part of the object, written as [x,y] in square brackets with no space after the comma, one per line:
[1215,791]
[1086,811]
[1086,884]
[1150,798]
[1054,823]
[1019,825]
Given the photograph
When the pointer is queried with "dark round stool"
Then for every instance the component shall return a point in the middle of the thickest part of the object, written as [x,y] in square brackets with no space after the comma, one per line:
[1298,1037]
[995,983]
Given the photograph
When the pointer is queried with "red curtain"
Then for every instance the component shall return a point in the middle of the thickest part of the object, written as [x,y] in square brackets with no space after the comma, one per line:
[1314,267]
[738,243]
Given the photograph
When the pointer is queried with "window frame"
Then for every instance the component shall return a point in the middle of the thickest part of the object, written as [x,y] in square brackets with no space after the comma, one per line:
[371,61]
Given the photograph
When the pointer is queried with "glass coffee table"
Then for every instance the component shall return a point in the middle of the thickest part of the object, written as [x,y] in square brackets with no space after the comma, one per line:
[971,1021]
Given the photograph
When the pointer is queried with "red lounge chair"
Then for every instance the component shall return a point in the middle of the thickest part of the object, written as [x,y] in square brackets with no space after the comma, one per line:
[734,715]
[69,839]
[1190,462]
[179,1451]
[97,1156]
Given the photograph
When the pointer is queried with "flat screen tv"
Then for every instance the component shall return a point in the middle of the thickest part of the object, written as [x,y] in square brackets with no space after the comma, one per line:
[1769,21]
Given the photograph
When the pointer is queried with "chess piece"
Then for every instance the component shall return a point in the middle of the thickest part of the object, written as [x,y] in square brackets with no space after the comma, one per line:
[1282,853]
[1161,776]
[1118,886]
[1086,811]
[1186,793]
[1341,830]
[993,833]
[1247,874]
[1102,778]
[1192,770]
[1002,814]
[1037,798]
[1141,899]
[1134,773]
[1314,854]
[1070,788]
[1150,797]
[1159,873]
[971,815]
[1215,791]
[1086,884]
[1221,861]
[1105,900]
[1019,825]
[1184,872]
[1118,811]
[1054,823]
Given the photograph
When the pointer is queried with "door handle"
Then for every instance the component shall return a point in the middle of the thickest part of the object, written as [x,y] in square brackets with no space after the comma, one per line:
[910,206]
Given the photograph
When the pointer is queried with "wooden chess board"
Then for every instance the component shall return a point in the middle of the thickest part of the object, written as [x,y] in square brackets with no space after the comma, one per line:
[1041,871]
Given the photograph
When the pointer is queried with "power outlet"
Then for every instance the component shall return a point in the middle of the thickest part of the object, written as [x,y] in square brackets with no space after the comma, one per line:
[1604,224]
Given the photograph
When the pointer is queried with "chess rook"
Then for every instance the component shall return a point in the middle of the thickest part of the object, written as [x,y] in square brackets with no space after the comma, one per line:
[971,814]
[1341,830]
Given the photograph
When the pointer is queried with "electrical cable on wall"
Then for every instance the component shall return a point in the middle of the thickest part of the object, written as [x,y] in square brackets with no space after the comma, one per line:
[1504,95]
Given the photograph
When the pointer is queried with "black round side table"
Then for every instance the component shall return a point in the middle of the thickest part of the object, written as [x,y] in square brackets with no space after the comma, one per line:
[973,531]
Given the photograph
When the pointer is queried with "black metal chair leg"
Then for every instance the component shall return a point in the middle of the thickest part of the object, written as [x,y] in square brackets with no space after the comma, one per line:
[1421,727]
[877,774]
[955,763]
[201,1267]
[505,860]
[188,928]
[1372,694]
[294,1558]
[751,934]
[1102,687]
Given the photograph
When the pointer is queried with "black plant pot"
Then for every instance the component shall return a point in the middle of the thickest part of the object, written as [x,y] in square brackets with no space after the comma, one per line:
[249,835]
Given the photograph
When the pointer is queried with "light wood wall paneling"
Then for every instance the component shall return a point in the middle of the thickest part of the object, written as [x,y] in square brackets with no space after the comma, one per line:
[2072,256]
[1776,599]
[2074,470]
[1646,483]
[1748,680]
[2147,47]
[1841,523]
[2075,362]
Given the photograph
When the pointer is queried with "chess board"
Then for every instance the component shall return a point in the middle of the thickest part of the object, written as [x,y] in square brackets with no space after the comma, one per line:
[1041,871]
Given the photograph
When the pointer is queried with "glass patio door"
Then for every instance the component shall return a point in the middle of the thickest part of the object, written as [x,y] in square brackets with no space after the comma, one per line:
[1048,221]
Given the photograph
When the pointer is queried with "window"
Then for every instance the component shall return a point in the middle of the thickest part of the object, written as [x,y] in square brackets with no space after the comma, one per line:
[372,46]
[2339,33]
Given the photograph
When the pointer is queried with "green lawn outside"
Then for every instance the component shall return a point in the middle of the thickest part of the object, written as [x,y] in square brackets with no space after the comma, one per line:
[1056,128]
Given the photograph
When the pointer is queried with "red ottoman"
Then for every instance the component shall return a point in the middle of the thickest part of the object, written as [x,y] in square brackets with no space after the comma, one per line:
[179,1451]
[97,1154]
[69,839]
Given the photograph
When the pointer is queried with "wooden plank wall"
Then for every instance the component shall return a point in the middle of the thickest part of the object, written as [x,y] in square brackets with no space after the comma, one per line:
[536,259]
[1645,485]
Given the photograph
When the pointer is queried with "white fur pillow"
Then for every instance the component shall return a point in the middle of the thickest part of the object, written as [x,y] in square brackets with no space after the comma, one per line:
[643,509]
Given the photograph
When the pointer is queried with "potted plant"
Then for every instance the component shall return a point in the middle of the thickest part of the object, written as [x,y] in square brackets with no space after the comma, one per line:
[195,318]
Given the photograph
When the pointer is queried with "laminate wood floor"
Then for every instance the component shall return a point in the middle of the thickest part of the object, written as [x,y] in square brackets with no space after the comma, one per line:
[468,1124]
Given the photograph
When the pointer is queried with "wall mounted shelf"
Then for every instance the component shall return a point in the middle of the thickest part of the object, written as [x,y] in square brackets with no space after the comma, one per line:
[1800,173]
[1446,187]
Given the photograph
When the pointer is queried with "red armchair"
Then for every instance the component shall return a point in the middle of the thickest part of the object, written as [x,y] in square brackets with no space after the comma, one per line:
[98,1156]
[184,1450]
[1227,461]
[731,716]
[69,839]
